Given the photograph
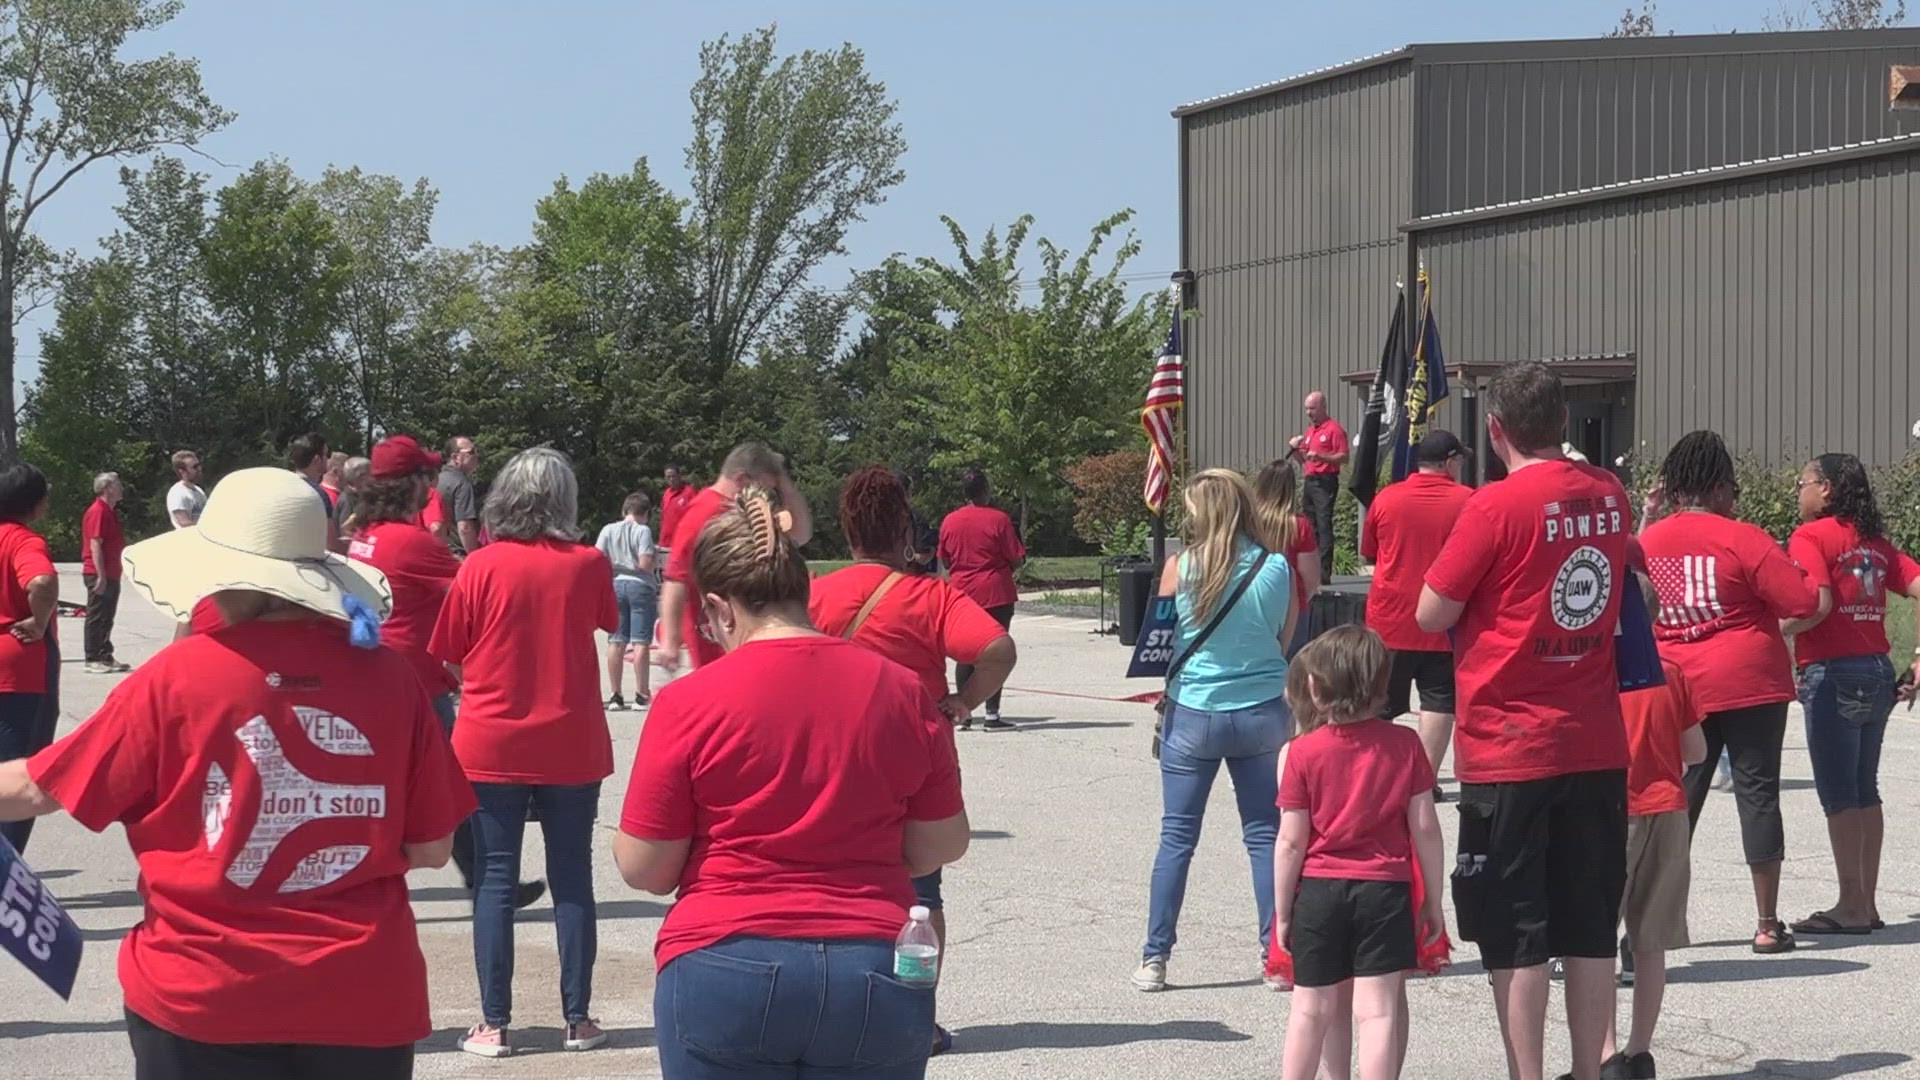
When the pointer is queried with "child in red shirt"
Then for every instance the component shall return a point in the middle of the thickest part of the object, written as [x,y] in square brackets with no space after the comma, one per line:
[1663,739]
[1356,802]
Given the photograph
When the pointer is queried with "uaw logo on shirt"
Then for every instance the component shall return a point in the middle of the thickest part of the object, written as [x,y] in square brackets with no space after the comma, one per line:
[1581,589]
[289,799]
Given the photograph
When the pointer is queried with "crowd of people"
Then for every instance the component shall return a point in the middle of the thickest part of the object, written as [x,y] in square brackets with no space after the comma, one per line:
[379,670]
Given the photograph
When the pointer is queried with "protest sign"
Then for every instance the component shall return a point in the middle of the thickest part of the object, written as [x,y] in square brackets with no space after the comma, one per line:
[34,927]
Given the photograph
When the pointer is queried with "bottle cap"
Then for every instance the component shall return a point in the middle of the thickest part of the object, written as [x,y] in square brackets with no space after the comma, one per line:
[919,913]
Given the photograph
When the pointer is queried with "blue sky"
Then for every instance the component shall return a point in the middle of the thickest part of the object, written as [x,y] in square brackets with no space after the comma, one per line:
[1059,109]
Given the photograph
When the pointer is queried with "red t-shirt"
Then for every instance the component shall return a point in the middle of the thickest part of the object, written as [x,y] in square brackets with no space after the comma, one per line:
[103,522]
[694,518]
[673,506]
[267,775]
[1304,543]
[1540,561]
[434,513]
[519,623]
[1406,525]
[920,624]
[1325,437]
[981,549]
[796,803]
[1724,586]
[420,570]
[1656,718]
[1861,574]
[1354,781]
[23,668]
[205,618]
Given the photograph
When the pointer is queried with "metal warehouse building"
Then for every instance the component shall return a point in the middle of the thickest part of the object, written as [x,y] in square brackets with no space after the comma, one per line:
[1714,231]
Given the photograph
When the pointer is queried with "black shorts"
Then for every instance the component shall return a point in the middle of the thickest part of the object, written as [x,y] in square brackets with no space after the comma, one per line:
[1432,672]
[1351,929]
[1542,867]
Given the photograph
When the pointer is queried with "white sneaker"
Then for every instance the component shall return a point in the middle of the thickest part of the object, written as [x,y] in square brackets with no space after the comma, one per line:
[1152,976]
[1275,983]
[94,667]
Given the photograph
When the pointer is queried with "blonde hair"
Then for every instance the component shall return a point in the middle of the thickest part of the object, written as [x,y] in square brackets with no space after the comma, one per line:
[1276,507]
[1219,509]
[1339,678]
[744,554]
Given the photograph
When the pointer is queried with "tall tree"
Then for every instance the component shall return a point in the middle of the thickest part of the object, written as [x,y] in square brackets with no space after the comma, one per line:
[67,100]
[787,154]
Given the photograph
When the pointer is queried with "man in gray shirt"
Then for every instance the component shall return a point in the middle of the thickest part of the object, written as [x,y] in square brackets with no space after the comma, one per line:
[628,545]
[458,495]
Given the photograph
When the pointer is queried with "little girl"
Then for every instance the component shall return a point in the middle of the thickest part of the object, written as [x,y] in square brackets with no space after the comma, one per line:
[1356,802]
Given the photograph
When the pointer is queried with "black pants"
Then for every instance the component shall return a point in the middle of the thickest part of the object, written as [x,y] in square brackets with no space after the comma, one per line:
[1751,737]
[159,1054]
[28,723]
[101,609]
[962,672]
[1321,491]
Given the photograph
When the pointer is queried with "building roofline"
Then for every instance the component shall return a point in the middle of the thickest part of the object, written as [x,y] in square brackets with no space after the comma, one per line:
[1582,49]
[1716,174]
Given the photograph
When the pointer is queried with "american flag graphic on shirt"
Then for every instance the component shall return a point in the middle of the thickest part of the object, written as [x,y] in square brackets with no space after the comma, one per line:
[1689,593]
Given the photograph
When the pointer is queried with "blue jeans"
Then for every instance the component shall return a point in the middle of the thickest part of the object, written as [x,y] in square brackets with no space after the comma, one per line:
[566,823]
[753,1008]
[1192,746]
[639,604]
[1848,700]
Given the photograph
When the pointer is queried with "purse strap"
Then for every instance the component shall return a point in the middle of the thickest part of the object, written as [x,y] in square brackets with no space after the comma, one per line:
[1219,616]
[873,601]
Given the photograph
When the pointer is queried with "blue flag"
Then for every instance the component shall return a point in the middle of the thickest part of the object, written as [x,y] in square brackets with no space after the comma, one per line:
[34,927]
[1426,383]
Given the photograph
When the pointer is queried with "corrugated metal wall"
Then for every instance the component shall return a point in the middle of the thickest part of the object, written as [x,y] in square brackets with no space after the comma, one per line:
[1500,131]
[1293,206]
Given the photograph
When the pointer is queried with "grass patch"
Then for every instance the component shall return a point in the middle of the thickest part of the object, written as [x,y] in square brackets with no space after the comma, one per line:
[1071,598]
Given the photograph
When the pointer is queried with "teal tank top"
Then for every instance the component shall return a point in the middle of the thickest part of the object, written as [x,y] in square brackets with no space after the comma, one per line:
[1241,665]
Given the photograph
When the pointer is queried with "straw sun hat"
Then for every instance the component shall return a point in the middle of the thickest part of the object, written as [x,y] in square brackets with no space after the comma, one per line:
[264,530]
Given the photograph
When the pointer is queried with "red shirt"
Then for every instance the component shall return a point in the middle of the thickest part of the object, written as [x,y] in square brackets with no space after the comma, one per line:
[1539,560]
[673,506]
[206,617]
[1325,437]
[519,622]
[420,570]
[1724,586]
[1406,526]
[796,803]
[1656,718]
[1355,781]
[1861,574]
[23,668]
[1304,543]
[680,568]
[981,549]
[435,512]
[102,522]
[283,925]
[920,624]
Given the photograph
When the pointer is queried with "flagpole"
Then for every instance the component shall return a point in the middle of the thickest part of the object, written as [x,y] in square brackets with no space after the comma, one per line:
[1159,534]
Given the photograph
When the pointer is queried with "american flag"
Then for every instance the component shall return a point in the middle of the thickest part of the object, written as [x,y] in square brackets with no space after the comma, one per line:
[1689,591]
[1166,394]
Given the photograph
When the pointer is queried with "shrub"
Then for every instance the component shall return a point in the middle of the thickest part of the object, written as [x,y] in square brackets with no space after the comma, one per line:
[1108,509]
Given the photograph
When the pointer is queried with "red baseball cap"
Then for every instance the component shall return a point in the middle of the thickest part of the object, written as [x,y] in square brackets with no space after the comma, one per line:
[399,455]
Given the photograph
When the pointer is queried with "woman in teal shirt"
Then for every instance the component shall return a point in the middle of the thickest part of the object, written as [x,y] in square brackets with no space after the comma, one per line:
[1226,702]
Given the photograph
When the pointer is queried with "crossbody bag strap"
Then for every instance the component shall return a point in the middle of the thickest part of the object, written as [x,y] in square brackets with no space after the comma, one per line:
[873,601]
[1218,616]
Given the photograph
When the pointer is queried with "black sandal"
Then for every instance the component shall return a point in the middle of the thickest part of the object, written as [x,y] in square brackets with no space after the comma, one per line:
[1782,939]
[1823,922]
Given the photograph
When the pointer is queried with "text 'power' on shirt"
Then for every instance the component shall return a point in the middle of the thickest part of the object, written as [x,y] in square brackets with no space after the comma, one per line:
[1861,574]
[1405,526]
[1540,561]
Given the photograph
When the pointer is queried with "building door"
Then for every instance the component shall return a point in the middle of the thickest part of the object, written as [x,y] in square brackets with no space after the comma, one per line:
[1598,430]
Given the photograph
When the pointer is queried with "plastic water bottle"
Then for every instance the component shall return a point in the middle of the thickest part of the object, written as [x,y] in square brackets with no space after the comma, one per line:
[916,952]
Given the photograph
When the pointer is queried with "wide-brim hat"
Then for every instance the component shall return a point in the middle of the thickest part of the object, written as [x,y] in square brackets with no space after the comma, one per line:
[265,531]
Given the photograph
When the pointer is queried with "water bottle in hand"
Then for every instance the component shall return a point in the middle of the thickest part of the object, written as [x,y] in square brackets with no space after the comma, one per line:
[916,952]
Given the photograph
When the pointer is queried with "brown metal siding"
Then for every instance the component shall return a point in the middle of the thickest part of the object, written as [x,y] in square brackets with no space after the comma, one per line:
[1502,131]
[1293,203]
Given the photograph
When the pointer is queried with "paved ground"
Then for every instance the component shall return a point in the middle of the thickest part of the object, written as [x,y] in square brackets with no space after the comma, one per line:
[1048,912]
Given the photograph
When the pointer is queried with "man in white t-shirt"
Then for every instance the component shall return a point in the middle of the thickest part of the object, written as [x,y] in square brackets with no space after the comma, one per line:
[628,545]
[185,499]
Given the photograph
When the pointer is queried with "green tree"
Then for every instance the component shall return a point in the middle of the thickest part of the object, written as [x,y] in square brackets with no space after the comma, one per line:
[67,100]
[1639,23]
[1836,15]
[787,154]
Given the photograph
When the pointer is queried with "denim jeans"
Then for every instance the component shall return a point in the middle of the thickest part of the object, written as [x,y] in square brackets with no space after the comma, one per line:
[447,707]
[566,824]
[1848,700]
[639,605]
[1193,744]
[762,1008]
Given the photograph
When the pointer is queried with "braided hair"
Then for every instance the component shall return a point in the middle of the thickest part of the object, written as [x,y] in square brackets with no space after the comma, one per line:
[1851,499]
[875,515]
[1698,471]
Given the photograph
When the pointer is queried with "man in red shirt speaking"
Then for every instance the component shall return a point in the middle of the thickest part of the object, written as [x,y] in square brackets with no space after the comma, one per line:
[1530,583]
[1323,449]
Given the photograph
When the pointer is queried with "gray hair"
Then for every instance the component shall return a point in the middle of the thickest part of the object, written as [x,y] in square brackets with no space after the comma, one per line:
[355,470]
[104,481]
[535,495]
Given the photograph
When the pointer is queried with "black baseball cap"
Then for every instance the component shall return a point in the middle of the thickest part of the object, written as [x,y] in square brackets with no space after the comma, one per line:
[1437,447]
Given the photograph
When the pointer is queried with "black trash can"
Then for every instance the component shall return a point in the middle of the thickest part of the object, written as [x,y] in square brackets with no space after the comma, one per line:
[1342,603]
[1136,591]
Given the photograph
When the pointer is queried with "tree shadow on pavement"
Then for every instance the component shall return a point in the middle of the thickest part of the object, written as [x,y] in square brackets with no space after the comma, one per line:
[1726,971]
[1844,1065]
[534,1040]
[998,1038]
[28,1029]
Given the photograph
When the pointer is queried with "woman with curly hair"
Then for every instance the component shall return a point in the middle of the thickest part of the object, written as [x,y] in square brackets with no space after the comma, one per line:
[1846,682]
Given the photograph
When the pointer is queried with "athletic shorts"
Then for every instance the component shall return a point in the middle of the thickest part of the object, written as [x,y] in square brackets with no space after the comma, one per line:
[1351,929]
[1659,854]
[1541,868]
[1432,672]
